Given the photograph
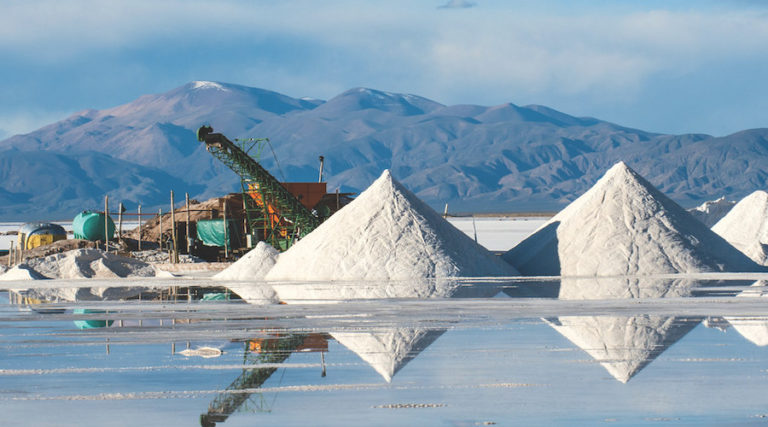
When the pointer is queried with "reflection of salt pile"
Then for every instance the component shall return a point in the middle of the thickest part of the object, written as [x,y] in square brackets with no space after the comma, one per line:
[387,352]
[80,264]
[755,328]
[252,267]
[746,226]
[387,233]
[623,225]
[712,211]
[623,345]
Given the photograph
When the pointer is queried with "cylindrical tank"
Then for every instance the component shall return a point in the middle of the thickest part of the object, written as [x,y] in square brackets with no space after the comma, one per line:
[34,234]
[90,226]
[90,323]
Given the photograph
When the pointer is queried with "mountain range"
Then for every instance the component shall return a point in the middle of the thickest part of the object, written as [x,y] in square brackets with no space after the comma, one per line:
[502,158]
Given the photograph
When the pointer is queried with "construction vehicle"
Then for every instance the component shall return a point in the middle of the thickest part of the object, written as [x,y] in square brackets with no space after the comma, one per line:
[277,213]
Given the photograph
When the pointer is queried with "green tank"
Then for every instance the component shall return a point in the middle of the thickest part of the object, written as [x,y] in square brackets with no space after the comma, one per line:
[90,226]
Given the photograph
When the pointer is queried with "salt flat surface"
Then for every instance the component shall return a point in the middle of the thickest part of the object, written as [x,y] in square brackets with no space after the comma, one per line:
[456,361]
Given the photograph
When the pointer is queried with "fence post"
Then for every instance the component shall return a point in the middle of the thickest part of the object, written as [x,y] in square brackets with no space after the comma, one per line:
[139,226]
[106,223]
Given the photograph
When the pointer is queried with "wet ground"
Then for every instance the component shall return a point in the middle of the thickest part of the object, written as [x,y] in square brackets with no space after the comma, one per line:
[626,351]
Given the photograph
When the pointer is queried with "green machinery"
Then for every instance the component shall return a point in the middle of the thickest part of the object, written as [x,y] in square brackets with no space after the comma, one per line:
[273,213]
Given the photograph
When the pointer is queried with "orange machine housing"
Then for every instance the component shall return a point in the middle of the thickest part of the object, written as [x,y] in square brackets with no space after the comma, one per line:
[308,193]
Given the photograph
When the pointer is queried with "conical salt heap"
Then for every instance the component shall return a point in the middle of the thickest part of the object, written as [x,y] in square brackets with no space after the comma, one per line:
[387,233]
[623,345]
[245,277]
[624,226]
[746,226]
[387,352]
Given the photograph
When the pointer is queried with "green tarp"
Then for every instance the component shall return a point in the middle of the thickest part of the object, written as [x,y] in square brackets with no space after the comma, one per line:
[211,233]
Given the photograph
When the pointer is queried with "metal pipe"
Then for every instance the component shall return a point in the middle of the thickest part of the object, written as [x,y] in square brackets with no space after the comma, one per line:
[322,164]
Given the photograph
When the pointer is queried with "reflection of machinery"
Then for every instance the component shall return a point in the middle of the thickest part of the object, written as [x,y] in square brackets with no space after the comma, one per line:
[276,213]
[264,351]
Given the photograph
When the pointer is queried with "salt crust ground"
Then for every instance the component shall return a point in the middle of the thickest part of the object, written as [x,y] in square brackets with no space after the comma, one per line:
[746,226]
[385,234]
[625,226]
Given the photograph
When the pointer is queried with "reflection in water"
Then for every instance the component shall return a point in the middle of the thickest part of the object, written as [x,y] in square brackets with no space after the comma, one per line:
[754,328]
[270,352]
[623,345]
[387,352]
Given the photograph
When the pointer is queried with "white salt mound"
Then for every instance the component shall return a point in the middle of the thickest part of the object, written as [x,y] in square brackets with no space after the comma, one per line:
[389,351]
[245,277]
[81,264]
[746,227]
[89,263]
[625,226]
[252,266]
[21,272]
[387,233]
[712,211]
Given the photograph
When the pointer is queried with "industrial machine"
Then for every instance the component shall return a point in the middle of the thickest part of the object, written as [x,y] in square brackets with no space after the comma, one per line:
[277,213]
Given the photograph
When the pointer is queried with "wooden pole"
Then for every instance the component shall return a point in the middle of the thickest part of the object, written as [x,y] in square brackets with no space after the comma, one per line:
[174,250]
[189,245]
[139,226]
[120,222]
[160,221]
[226,230]
[106,223]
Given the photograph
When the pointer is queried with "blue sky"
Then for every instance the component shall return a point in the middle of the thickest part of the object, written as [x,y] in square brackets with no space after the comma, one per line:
[673,66]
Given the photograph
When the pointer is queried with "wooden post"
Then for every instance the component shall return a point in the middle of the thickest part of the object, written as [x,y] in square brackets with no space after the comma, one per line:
[10,255]
[226,230]
[120,222]
[139,226]
[160,221]
[174,250]
[189,245]
[106,223]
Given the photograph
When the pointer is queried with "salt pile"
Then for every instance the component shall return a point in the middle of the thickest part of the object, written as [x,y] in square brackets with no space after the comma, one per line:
[80,264]
[712,211]
[623,345]
[388,352]
[387,233]
[746,226]
[251,268]
[624,226]
[88,263]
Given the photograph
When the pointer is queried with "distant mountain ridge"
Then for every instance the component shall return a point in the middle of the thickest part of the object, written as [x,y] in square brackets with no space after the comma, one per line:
[476,158]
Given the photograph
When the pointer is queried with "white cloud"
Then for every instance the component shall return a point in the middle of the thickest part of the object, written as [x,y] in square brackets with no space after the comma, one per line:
[458,4]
